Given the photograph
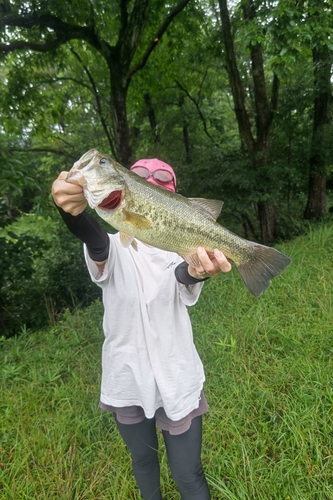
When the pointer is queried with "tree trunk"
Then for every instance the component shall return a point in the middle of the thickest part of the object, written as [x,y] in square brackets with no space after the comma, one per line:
[258,146]
[186,138]
[267,219]
[316,204]
[151,116]
[120,125]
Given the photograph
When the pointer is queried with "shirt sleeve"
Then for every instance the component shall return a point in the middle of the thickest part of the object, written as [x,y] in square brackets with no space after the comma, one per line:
[189,288]
[102,279]
[183,276]
[87,229]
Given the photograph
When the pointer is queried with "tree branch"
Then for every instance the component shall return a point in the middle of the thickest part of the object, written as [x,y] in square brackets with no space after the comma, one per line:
[274,98]
[237,89]
[203,119]
[42,150]
[38,47]
[98,101]
[160,32]
[258,76]
[64,33]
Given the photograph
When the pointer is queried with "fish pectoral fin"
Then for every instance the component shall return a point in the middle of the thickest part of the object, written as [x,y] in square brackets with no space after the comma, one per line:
[127,240]
[139,221]
[191,258]
[210,207]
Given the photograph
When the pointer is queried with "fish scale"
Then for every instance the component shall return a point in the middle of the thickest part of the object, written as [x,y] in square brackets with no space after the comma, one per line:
[169,221]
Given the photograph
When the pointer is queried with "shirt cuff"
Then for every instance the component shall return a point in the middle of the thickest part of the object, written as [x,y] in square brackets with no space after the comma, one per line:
[183,276]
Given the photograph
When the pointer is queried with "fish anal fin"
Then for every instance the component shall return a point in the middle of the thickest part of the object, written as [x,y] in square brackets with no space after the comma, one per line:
[138,221]
[264,264]
[191,258]
[210,207]
[134,245]
[127,240]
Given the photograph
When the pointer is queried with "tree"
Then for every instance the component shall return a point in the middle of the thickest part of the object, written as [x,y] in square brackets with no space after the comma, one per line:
[188,109]
[257,144]
[278,35]
[120,33]
[322,56]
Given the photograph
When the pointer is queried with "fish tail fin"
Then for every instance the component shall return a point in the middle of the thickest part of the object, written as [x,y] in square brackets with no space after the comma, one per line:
[264,265]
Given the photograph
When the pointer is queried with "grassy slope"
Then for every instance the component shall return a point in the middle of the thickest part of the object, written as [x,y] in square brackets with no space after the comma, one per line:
[268,361]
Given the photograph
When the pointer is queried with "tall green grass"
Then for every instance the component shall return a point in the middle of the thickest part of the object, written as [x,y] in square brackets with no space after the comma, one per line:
[268,362]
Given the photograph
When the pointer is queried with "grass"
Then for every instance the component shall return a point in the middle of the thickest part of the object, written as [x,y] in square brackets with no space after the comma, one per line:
[268,362]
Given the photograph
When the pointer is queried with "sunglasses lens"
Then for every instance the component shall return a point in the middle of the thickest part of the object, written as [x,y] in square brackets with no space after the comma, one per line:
[163,176]
[160,176]
[141,171]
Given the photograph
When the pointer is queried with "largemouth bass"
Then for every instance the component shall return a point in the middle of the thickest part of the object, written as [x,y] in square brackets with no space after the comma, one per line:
[169,221]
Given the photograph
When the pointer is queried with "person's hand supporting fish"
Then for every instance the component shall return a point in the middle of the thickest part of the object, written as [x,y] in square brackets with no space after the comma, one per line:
[211,265]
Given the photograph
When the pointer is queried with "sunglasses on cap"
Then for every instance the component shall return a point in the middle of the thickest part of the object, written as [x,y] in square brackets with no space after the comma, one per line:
[161,176]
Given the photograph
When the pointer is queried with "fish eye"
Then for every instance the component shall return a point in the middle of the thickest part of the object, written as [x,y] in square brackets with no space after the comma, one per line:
[102,161]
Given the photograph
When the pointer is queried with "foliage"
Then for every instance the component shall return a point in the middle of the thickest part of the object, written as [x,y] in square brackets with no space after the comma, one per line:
[42,273]
[268,363]
[18,186]
[16,274]
[119,39]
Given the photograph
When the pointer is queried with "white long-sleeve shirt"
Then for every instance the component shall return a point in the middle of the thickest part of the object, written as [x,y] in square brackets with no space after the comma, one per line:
[148,357]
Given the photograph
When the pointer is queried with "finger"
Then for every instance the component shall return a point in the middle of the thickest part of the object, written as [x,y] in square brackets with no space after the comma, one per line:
[62,175]
[212,264]
[206,264]
[61,187]
[203,257]
[222,261]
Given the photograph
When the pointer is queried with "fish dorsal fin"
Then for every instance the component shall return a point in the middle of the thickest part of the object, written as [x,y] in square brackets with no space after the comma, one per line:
[211,207]
[138,221]
[127,240]
[191,258]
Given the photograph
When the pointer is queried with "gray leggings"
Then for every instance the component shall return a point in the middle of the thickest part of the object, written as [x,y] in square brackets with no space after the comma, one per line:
[183,453]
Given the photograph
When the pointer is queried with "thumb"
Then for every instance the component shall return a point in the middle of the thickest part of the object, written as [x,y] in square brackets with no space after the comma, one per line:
[63,175]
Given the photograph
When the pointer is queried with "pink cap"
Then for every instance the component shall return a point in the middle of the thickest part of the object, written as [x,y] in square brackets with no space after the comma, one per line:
[155,164]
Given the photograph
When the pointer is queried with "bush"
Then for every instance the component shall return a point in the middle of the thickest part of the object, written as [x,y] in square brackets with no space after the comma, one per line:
[42,273]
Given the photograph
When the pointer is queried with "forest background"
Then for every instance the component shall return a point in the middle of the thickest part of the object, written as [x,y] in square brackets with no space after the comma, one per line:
[235,95]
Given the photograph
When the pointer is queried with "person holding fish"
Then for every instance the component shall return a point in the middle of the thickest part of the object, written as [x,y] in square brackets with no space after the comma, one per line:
[152,374]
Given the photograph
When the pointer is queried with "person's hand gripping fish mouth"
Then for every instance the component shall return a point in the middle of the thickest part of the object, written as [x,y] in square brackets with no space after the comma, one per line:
[81,171]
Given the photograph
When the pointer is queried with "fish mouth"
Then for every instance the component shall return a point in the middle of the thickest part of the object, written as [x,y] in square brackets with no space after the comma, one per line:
[112,201]
[75,176]
[80,167]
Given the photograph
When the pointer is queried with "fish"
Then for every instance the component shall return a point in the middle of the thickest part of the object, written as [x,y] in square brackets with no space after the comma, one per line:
[169,221]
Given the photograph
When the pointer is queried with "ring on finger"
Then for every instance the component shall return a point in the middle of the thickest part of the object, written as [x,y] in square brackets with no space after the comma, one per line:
[205,273]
